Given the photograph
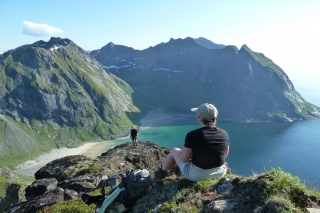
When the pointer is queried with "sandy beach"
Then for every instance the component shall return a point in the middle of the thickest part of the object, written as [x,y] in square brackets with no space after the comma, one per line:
[93,149]
[89,149]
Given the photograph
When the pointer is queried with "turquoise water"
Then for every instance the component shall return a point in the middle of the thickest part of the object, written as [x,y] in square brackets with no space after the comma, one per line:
[255,147]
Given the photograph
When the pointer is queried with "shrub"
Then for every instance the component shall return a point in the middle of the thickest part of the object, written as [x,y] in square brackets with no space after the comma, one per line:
[283,181]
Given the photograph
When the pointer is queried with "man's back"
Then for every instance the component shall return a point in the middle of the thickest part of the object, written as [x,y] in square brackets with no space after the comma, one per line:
[133,132]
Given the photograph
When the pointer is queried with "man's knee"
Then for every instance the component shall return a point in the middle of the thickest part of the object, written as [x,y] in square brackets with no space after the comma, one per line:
[176,153]
[176,150]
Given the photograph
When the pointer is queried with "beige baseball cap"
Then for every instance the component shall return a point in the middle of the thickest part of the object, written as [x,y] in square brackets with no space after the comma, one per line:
[206,111]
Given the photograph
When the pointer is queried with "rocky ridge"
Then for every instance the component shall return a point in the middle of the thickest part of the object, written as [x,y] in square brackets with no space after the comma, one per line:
[208,44]
[67,178]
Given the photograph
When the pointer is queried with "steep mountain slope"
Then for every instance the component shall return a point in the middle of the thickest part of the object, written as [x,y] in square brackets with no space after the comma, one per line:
[59,95]
[180,74]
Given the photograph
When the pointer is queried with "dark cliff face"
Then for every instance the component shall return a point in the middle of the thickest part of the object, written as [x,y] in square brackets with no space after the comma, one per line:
[180,74]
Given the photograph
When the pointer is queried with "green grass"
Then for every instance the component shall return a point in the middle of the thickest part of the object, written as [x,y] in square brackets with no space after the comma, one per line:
[3,187]
[278,114]
[3,180]
[91,169]
[281,205]
[26,180]
[288,191]
[205,185]
[82,168]
[72,206]
[283,181]
[48,136]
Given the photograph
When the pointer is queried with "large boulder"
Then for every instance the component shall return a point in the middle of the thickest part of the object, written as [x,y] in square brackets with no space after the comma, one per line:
[39,187]
[92,180]
[81,187]
[146,155]
[70,194]
[48,198]
[59,168]
[217,206]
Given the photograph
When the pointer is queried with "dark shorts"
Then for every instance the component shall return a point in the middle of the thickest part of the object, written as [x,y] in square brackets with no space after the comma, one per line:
[134,137]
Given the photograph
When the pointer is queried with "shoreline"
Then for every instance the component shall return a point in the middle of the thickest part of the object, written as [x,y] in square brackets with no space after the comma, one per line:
[30,167]
[90,149]
[154,118]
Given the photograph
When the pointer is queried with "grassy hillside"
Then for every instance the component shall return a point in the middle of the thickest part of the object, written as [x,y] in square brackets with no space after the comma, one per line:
[19,142]
[54,94]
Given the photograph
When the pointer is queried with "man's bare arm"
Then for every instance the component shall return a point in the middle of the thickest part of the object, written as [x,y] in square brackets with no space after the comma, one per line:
[227,152]
[186,154]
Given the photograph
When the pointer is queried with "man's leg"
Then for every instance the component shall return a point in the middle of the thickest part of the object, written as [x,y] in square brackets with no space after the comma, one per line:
[172,159]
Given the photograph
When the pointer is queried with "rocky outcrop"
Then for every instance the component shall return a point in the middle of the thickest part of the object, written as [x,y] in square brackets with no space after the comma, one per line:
[146,155]
[69,177]
[60,168]
[71,168]
[217,206]
[90,180]
[39,187]
[48,198]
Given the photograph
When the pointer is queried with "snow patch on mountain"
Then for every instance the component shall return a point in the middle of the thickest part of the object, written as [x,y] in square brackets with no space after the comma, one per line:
[159,69]
[55,47]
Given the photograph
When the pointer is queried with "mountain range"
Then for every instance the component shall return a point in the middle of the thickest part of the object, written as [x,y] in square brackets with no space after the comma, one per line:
[244,85]
[55,94]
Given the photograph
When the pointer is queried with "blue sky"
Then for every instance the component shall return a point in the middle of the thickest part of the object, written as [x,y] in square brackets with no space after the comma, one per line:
[286,31]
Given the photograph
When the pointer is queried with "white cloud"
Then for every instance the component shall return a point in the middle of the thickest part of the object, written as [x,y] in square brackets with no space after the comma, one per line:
[39,30]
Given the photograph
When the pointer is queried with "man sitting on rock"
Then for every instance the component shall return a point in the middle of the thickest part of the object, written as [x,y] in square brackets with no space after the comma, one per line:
[205,149]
